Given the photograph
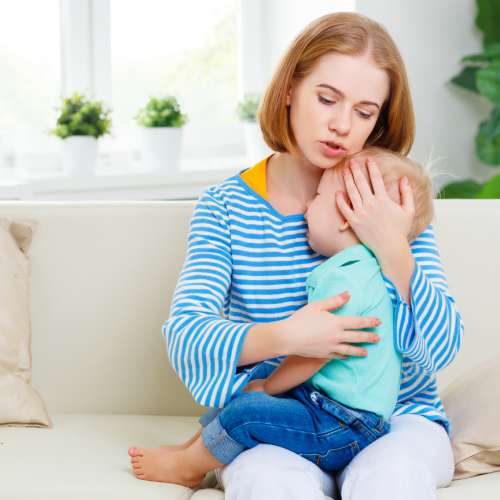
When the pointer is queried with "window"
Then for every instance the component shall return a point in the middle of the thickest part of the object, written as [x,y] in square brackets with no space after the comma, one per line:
[121,52]
[188,50]
[30,76]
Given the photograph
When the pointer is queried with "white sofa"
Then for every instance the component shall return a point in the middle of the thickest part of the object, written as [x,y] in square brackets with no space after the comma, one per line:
[102,278]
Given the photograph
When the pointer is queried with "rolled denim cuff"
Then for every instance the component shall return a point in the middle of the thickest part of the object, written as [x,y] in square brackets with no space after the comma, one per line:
[219,443]
[208,416]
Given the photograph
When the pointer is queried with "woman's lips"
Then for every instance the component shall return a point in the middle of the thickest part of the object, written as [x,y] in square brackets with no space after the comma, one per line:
[331,152]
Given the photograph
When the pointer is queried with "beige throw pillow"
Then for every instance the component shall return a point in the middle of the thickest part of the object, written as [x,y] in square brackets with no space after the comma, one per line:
[472,403]
[20,404]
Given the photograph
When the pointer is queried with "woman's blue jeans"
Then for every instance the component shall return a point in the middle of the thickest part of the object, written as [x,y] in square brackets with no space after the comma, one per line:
[302,420]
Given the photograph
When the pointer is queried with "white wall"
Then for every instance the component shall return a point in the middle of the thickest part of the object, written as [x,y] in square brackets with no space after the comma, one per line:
[432,37]
[269,27]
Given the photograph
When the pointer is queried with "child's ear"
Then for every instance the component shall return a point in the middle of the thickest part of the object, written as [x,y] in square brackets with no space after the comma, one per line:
[344,226]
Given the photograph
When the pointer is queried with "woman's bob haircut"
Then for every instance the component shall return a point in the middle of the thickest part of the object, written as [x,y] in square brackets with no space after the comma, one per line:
[350,34]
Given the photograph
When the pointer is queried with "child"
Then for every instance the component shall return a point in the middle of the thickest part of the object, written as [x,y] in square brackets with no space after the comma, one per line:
[326,410]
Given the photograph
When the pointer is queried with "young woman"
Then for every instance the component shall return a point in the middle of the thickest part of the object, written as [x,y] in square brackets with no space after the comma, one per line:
[240,303]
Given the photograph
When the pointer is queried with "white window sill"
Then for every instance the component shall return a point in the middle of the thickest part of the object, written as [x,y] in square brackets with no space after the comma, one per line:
[132,184]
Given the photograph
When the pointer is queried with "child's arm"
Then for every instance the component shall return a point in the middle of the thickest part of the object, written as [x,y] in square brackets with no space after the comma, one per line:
[295,370]
[292,372]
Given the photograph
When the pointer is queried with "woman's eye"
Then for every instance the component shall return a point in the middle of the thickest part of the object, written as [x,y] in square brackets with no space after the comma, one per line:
[365,116]
[325,101]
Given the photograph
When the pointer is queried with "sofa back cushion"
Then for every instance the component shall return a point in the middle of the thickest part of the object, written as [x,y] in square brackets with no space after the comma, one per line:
[103,274]
[468,237]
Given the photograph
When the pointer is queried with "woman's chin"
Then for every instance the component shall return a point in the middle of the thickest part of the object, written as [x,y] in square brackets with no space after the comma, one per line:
[327,163]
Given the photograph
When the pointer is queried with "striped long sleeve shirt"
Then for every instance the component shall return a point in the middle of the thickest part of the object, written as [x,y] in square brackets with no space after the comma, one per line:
[246,264]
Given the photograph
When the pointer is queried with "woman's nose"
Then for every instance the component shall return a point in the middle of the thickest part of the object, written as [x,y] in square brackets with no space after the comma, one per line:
[341,121]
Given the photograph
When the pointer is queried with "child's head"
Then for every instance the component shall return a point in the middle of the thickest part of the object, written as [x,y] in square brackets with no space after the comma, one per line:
[328,230]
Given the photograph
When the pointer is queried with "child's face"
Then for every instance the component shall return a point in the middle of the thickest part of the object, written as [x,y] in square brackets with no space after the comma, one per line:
[327,227]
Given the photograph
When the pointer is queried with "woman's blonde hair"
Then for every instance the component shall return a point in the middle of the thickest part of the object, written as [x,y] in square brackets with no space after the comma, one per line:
[350,34]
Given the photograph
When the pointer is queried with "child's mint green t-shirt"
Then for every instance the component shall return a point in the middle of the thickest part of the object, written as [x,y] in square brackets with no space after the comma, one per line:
[371,382]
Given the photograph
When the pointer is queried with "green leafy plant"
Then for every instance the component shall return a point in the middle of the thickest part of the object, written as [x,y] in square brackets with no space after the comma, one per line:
[79,115]
[481,75]
[247,108]
[161,112]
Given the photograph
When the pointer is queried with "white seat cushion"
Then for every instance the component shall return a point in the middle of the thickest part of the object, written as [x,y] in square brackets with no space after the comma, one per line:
[485,487]
[84,457]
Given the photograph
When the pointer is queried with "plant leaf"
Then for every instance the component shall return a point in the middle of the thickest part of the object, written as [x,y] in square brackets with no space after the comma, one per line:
[461,189]
[488,13]
[490,53]
[490,189]
[488,139]
[488,82]
[466,79]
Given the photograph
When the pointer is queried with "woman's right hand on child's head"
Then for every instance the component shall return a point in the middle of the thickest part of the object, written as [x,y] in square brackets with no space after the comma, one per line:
[314,332]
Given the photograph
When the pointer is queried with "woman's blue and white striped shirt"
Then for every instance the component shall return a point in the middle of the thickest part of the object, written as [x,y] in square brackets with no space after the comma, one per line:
[246,264]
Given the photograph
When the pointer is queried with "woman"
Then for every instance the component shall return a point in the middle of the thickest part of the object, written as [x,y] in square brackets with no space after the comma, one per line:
[340,86]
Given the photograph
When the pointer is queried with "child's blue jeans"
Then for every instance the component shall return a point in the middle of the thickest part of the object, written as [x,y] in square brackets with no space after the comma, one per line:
[302,420]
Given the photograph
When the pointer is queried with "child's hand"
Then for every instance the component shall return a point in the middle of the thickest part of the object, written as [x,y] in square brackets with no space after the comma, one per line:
[255,385]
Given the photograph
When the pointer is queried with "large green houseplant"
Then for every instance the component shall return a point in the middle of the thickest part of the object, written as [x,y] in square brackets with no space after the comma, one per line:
[481,75]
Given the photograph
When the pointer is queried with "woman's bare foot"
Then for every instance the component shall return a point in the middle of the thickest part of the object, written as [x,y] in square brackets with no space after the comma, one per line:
[162,464]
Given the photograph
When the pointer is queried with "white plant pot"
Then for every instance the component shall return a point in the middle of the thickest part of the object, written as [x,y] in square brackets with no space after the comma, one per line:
[256,147]
[79,155]
[161,149]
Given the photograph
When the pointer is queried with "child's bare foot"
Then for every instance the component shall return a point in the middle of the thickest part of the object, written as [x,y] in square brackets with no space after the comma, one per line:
[181,446]
[162,464]
[166,447]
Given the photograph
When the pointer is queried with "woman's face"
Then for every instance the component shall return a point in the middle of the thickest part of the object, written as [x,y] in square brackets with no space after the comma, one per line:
[339,102]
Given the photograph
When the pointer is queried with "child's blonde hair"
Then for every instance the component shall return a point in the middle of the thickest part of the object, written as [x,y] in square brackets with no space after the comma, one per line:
[392,167]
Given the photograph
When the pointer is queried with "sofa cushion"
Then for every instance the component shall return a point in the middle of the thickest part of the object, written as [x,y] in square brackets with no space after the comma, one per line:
[485,487]
[84,457]
[20,403]
[472,403]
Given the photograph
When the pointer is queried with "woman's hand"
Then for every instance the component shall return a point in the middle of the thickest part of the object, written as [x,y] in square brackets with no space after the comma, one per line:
[314,332]
[378,221]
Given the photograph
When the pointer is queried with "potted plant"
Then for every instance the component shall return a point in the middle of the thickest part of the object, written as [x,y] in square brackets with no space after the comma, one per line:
[161,122]
[481,75]
[80,123]
[256,147]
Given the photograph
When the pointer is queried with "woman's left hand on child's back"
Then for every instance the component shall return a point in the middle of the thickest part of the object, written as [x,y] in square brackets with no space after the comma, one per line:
[377,220]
